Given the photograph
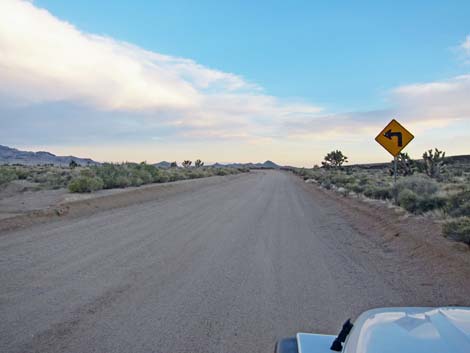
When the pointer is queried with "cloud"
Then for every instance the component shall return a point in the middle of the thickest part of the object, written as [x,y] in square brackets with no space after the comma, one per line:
[46,61]
[443,100]
[422,106]
[465,48]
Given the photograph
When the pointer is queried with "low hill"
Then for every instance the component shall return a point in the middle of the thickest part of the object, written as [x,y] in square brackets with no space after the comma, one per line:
[162,164]
[10,155]
[266,165]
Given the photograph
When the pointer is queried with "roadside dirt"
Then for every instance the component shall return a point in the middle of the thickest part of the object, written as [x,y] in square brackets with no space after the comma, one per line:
[416,240]
[21,206]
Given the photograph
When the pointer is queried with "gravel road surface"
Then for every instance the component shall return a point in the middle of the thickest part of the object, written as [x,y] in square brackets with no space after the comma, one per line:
[228,267]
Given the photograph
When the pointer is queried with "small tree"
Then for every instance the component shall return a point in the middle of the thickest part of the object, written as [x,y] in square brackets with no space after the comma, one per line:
[173,165]
[187,163]
[433,163]
[334,159]
[405,165]
[73,164]
[198,163]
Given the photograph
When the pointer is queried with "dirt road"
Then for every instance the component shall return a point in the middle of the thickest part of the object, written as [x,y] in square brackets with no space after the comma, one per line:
[227,267]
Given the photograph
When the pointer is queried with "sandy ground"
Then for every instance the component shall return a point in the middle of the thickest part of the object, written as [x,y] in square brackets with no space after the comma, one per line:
[216,265]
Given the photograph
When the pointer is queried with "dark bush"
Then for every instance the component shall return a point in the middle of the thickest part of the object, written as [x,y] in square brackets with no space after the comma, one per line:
[378,192]
[408,200]
[414,203]
[429,203]
[459,204]
[357,188]
[458,229]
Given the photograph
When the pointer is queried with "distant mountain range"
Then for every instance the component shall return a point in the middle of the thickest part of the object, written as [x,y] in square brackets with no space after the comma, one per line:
[265,165]
[162,164]
[10,155]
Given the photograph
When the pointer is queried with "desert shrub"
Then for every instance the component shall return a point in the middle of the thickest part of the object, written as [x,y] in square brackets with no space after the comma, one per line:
[22,173]
[408,200]
[459,204]
[418,184]
[221,171]
[125,174]
[7,174]
[87,173]
[357,188]
[140,177]
[363,180]
[194,174]
[430,202]
[342,179]
[175,175]
[85,184]
[378,192]
[458,229]
[121,181]
[162,179]
[414,203]
[56,180]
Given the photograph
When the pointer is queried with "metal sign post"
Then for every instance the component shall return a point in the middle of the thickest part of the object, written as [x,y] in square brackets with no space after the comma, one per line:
[395,171]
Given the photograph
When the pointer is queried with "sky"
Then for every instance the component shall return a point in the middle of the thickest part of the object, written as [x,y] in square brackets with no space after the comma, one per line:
[233,81]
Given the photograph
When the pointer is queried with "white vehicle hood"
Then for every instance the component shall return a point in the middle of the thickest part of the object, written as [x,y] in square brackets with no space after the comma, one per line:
[411,330]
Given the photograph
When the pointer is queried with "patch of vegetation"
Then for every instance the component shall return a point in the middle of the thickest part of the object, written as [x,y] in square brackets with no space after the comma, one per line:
[458,204]
[107,175]
[46,177]
[86,184]
[458,229]
[136,174]
[7,174]
[419,184]
[436,186]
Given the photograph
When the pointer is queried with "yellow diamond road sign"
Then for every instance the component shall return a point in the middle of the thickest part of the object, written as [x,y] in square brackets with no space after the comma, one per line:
[394,137]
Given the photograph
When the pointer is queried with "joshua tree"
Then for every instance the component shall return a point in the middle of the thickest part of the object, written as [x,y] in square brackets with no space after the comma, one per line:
[173,165]
[405,165]
[198,163]
[334,159]
[187,163]
[434,163]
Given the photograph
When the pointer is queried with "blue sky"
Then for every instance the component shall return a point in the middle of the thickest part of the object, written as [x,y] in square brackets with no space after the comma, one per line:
[315,75]
[345,55]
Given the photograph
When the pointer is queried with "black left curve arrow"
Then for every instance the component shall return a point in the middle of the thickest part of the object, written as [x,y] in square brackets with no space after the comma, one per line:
[389,134]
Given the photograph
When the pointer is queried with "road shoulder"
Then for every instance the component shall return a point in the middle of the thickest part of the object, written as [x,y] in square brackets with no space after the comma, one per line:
[67,205]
